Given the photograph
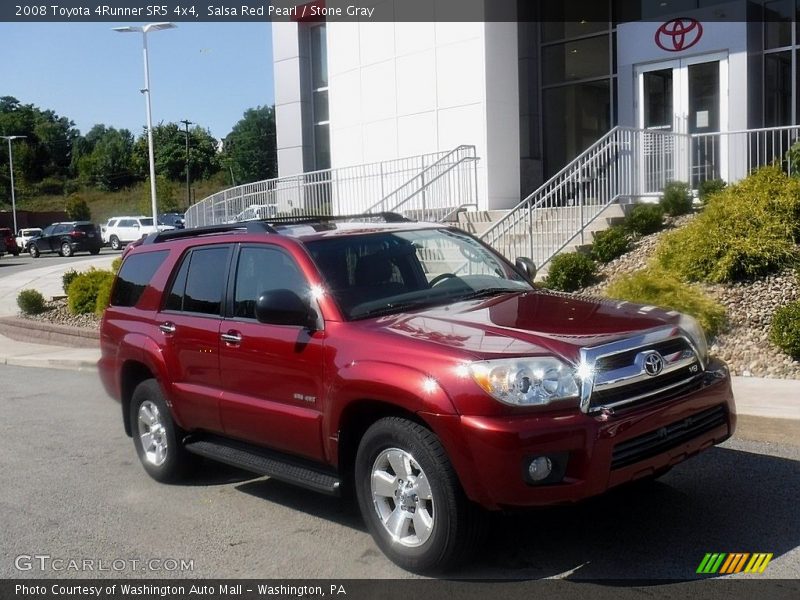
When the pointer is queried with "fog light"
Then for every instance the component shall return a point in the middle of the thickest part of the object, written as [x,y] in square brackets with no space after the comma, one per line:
[540,468]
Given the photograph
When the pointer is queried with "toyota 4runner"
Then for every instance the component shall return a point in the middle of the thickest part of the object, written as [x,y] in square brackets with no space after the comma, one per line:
[406,361]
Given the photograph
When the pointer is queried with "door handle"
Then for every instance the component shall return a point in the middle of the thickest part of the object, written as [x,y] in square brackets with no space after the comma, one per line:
[233,338]
[167,328]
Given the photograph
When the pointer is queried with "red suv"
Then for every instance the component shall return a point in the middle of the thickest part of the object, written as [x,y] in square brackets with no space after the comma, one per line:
[408,359]
[10,241]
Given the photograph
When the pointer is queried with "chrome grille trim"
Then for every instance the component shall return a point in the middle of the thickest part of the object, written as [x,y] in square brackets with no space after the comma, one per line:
[619,378]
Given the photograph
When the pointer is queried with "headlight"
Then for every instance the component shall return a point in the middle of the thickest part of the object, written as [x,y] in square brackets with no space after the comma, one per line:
[526,381]
[695,332]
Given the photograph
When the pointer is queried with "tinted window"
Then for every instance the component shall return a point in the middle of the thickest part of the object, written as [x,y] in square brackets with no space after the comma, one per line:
[86,227]
[48,230]
[146,222]
[175,297]
[261,270]
[135,274]
[205,280]
[61,229]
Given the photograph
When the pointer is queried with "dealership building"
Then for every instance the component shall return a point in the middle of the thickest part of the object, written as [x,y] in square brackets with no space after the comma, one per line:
[530,95]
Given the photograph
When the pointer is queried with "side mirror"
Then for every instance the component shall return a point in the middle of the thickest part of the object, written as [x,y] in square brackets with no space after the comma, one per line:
[285,307]
[526,266]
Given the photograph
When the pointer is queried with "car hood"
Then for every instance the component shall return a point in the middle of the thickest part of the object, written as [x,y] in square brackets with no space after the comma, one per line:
[528,323]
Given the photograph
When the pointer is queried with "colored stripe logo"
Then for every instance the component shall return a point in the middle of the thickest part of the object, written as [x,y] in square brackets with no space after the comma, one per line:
[735,562]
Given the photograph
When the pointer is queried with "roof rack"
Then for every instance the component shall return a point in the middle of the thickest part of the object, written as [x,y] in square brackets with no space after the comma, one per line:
[266,225]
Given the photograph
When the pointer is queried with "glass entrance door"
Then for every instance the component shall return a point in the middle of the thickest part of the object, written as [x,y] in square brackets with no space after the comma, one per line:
[684,96]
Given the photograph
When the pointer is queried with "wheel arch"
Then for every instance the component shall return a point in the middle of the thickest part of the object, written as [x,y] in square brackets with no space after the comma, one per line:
[132,373]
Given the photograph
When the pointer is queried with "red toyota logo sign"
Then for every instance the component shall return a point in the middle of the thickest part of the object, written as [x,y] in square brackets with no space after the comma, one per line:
[679,34]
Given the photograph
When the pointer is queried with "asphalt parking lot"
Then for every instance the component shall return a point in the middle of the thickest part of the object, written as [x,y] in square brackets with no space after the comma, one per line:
[72,488]
[10,264]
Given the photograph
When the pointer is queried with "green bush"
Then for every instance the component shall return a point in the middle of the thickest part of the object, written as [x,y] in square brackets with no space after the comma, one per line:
[747,230]
[31,302]
[785,329]
[103,296]
[645,219]
[116,264]
[78,209]
[610,244]
[50,186]
[657,288]
[68,278]
[709,187]
[571,271]
[83,291]
[676,199]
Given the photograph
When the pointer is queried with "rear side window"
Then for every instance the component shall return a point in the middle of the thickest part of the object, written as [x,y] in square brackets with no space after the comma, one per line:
[200,283]
[133,277]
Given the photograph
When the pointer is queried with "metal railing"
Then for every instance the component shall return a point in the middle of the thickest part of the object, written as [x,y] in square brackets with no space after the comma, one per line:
[343,190]
[437,191]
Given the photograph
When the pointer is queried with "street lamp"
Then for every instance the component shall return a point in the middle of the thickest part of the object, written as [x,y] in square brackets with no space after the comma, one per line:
[11,171]
[146,91]
[187,122]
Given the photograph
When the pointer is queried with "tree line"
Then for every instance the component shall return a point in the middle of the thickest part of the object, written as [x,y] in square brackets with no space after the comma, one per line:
[55,158]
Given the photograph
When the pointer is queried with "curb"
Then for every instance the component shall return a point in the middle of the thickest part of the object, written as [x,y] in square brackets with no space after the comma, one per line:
[28,330]
[64,364]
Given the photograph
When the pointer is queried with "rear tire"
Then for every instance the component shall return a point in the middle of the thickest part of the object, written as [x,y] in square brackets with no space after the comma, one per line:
[411,499]
[94,252]
[115,243]
[156,437]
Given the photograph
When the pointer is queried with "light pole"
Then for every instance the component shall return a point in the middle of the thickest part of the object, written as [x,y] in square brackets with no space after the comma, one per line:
[11,171]
[187,122]
[146,91]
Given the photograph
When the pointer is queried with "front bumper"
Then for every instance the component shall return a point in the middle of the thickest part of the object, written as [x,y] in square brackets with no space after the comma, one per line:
[490,454]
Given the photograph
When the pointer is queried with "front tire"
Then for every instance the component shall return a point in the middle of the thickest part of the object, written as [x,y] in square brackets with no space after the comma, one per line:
[115,243]
[411,499]
[66,250]
[34,251]
[156,437]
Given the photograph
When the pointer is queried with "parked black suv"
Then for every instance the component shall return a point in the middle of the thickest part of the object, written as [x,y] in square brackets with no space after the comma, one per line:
[67,239]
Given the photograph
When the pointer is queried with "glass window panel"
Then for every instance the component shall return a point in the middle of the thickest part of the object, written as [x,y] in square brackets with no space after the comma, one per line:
[777,89]
[133,277]
[576,116]
[175,298]
[658,113]
[319,57]
[778,23]
[562,20]
[322,146]
[704,97]
[264,270]
[206,281]
[320,106]
[581,59]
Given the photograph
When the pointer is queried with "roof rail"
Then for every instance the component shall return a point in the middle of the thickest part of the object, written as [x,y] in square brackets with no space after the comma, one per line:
[266,225]
[176,234]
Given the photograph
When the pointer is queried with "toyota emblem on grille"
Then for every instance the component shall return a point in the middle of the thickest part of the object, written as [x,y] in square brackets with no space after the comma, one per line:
[653,364]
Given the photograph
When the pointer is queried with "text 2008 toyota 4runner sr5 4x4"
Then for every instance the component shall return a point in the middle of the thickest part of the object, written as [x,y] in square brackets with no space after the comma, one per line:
[408,359]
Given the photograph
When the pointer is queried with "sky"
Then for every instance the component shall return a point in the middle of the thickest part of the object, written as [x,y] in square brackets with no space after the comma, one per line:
[209,73]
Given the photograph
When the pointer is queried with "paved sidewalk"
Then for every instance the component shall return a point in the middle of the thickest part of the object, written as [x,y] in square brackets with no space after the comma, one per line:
[24,354]
[46,280]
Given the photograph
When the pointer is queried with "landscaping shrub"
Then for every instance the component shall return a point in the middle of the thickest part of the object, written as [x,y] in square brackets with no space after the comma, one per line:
[645,219]
[67,278]
[570,272]
[610,244]
[78,209]
[116,264]
[50,186]
[657,288]
[103,296]
[785,329]
[676,198]
[708,188]
[30,302]
[747,230]
[84,289]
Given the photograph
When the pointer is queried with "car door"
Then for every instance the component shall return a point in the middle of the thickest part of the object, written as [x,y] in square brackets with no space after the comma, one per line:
[189,324]
[54,241]
[128,230]
[272,375]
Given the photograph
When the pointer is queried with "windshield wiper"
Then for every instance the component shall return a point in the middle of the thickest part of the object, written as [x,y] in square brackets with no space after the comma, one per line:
[396,307]
[487,292]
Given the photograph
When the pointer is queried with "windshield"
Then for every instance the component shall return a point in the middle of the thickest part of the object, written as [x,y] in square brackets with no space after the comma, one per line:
[146,222]
[384,273]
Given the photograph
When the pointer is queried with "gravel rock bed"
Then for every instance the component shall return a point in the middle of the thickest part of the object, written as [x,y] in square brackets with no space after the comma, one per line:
[58,314]
[745,346]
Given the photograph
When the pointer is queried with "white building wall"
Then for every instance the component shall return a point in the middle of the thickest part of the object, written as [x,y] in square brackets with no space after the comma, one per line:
[404,89]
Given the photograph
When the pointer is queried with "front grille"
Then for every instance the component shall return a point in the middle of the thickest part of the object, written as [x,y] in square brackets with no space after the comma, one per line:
[666,438]
[623,359]
[654,388]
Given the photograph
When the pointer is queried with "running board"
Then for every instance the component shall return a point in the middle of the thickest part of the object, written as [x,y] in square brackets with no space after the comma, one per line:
[265,462]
